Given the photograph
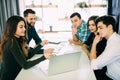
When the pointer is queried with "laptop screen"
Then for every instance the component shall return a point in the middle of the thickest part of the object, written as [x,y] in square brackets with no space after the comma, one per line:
[64,63]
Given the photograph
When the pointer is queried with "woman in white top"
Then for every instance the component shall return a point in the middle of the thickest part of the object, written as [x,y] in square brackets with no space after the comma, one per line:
[111,55]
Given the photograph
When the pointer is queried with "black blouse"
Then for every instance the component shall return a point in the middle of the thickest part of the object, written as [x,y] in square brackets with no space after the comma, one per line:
[100,46]
[14,59]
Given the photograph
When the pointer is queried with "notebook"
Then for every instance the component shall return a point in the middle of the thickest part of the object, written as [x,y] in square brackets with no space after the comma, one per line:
[63,63]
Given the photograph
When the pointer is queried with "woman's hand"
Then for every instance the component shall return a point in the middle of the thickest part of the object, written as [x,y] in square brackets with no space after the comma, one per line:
[48,53]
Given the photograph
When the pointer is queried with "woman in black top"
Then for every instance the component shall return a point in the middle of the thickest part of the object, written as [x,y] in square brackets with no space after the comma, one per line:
[88,44]
[100,74]
[15,53]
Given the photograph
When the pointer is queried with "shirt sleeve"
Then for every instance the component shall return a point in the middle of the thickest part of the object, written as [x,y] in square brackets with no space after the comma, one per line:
[36,37]
[36,50]
[109,56]
[89,41]
[83,33]
[21,59]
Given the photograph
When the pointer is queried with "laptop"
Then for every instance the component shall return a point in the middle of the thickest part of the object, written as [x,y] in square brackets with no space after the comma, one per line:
[63,63]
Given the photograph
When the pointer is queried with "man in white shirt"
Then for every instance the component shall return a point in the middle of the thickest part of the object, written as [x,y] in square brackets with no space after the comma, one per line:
[111,55]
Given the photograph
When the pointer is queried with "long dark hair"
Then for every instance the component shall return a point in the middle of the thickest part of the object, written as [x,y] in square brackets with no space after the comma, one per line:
[92,18]
[10,29]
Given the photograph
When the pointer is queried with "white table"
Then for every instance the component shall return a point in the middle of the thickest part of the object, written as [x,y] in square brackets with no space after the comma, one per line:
[83,73]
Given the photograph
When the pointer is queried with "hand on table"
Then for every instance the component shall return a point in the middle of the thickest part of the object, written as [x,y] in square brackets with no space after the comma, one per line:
[48,53]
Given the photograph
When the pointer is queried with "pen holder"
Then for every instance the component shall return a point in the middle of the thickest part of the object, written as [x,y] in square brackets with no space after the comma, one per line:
[50,28]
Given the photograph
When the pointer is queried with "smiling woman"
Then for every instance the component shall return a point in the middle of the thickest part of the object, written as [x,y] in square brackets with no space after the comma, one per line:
[20,29]
[15,52]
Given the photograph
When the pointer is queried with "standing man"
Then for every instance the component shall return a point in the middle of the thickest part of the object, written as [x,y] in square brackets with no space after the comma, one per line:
[80,31]
[110,57]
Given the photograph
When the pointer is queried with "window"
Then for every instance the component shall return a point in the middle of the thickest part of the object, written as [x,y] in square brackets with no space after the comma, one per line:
[53,15]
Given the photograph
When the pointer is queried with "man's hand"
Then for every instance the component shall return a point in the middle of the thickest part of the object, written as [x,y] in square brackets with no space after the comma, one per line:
[97,39]
[74,30]
[70,41]
[44,42]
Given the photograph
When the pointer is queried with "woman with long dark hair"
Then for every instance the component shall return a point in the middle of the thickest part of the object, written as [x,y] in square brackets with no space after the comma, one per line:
[100,74]
[14,51]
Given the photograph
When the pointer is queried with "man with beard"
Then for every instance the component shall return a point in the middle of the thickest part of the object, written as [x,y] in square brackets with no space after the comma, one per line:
[30,16]
[30,19]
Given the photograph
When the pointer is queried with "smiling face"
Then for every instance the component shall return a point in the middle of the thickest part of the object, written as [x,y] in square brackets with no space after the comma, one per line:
[20,31]
[92,26]
[30,19]
[76,21]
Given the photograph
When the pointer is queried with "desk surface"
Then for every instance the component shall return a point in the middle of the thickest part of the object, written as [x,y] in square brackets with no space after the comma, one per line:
[83,73]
